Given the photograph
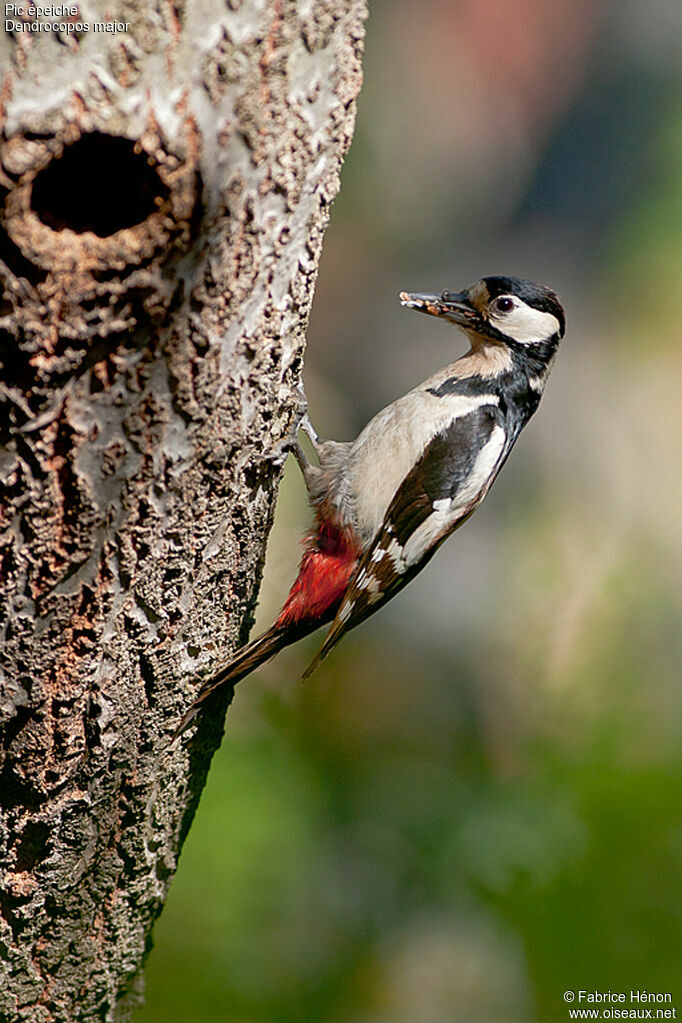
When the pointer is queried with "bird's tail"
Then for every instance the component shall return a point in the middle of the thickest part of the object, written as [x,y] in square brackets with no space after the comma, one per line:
[246,660]
[328,562]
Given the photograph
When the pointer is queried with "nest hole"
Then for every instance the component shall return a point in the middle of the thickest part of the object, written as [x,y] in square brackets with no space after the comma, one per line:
[101,183]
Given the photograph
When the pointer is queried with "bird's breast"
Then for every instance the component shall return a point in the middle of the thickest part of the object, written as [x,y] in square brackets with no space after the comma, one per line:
[391,445]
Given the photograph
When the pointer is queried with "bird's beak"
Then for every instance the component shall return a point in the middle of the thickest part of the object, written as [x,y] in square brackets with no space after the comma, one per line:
[452,306]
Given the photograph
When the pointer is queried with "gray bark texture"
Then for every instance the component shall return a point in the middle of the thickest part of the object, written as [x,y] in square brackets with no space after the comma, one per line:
[164,195]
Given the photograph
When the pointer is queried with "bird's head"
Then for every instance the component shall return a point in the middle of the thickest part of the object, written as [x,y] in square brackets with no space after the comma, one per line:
[506,310]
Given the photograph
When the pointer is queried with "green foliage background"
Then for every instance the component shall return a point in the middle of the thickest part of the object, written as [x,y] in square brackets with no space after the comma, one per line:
[476,803]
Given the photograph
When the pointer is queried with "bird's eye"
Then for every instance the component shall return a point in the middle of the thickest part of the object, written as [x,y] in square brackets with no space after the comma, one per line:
[504,304]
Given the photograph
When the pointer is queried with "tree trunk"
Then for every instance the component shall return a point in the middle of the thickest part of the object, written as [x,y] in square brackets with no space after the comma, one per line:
[165,192]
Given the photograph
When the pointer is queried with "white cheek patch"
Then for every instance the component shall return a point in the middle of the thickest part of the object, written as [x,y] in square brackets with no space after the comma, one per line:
[525,324]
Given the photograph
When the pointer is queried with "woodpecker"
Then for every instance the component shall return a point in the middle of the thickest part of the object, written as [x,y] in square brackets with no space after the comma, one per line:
[385,502]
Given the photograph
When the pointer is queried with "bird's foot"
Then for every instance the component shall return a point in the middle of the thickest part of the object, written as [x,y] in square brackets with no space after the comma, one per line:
[302,420]
[309,430]
[289,443]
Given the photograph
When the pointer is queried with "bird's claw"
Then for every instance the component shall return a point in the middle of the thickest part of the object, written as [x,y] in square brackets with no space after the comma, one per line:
[309,430]
[289,443]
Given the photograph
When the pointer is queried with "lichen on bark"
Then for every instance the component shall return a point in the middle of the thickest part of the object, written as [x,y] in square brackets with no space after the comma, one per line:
[164,197]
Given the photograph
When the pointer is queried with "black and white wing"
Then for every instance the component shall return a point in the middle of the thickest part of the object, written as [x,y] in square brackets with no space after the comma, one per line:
[446,485]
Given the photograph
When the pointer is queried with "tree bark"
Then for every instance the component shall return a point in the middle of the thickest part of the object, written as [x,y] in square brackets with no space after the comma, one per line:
[165,193]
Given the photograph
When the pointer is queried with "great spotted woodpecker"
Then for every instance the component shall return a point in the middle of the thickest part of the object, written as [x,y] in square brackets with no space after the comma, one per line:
[385,502]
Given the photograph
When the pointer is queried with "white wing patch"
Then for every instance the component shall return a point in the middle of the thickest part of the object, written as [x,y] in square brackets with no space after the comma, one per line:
[345,610]
[370,583]
[525,324]
[446,510]
[381,571]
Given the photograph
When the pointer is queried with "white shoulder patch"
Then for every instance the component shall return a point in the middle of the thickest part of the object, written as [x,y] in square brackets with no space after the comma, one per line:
[446,511]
